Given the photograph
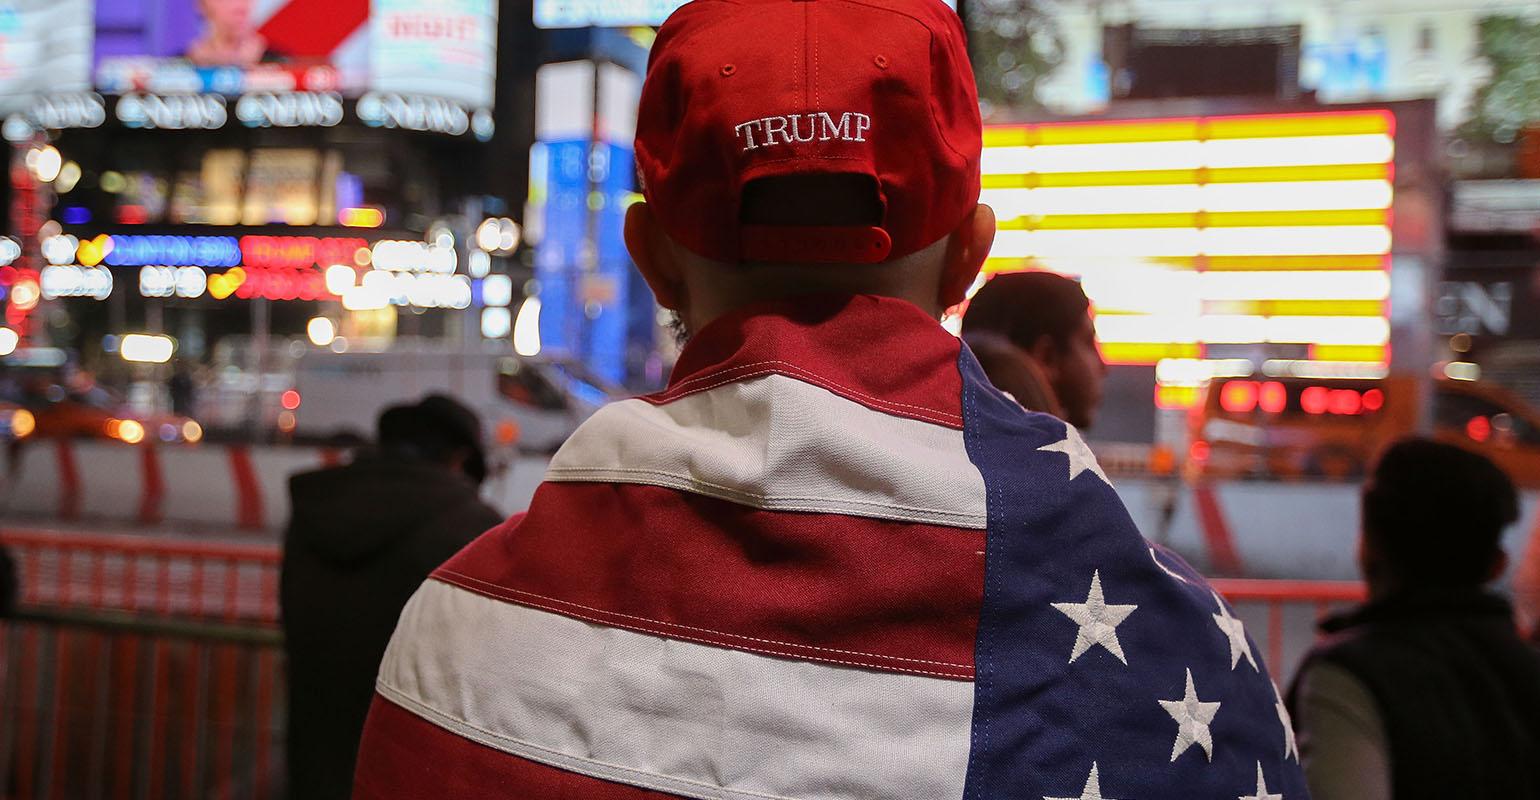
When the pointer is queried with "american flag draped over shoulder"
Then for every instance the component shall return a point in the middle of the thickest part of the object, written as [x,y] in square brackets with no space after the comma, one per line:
[829,561]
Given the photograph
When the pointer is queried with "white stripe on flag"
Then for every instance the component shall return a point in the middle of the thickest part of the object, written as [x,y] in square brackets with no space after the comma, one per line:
[780,444]
[670,715]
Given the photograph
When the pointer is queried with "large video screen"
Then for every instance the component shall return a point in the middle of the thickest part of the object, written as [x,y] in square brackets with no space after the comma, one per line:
[45,46]
[437,48]
[612,13]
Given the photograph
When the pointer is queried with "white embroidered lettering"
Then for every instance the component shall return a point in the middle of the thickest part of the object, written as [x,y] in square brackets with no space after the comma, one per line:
[796,128]
[746,130]
[774,125]
[820,126]
[832,131]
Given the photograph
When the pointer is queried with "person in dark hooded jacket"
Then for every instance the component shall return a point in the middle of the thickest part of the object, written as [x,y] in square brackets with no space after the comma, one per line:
[361,539]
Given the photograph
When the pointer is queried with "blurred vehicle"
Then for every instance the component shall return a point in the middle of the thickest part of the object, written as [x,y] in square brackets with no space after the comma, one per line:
[59,414]
[1293,427]
[535,403]
[16,423]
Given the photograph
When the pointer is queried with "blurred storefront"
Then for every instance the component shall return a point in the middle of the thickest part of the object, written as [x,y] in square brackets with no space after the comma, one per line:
[238,175]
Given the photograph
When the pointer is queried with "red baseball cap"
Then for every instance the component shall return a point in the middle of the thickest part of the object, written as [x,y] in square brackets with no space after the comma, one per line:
[739,90]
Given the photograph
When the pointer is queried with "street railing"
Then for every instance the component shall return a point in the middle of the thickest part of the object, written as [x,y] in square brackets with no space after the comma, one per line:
[1291,609]
[158,576]
[108,704]
[151,668]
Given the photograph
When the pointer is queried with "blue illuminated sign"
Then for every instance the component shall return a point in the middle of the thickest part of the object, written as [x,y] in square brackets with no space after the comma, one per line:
[174,251]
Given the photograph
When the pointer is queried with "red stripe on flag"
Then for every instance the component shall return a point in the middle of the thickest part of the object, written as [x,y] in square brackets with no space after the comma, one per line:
[314,28]
[829,341]
[895,596]
[404,757]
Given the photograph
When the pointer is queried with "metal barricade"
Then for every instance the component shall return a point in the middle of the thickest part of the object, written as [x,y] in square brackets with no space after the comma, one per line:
[1286,613]
[141,668]
[151,668]
[164,577]
[100,704]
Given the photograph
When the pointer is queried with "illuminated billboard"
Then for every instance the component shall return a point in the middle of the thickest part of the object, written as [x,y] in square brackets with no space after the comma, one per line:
[611,13]
[433,48]
[44,47]
[1201,238]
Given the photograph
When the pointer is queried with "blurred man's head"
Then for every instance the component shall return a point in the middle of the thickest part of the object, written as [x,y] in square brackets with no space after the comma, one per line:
[440,431]
[1433,517]
[793,147]
[1047,317]
[227,18]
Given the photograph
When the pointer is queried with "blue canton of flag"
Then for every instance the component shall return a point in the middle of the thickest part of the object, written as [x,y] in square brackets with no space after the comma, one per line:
[1106,668]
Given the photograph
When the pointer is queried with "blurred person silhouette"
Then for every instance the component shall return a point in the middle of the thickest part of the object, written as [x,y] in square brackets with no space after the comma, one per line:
[361,539]
[1427,690]
[1033,334]
[183,388]
[768,579]
[230,37]
[10,587]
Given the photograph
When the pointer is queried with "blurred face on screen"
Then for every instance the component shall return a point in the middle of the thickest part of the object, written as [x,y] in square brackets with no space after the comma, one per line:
[228,18]
[229,37]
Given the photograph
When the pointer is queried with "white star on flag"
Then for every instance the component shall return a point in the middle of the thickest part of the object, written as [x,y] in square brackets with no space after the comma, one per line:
[1235,631]
[1098,621]
[1261,789]
[1192,720]
[1092,790]
[1080,457]
[1290,745]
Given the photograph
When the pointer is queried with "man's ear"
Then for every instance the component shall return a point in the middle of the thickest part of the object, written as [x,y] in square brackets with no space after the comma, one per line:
[965,254]
[654,256]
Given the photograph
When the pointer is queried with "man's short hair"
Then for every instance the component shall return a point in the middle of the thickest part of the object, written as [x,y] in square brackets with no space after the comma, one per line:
[1025,306]
[1435,513]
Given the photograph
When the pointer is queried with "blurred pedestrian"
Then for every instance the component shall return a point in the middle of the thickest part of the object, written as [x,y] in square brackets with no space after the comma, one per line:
[361,538]
[769,580]
[183,388]
[1032,332]
[1427,690]
[10,587]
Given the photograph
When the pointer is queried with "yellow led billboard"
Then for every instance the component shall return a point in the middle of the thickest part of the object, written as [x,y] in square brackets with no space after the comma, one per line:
[1202,231]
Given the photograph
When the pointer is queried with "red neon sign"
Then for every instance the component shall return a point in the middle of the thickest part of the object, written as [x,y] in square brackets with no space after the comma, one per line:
[298,252]
[1274,398]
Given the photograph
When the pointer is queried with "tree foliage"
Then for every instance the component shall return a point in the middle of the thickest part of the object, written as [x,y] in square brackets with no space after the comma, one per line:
[1015,44]
[1512,99]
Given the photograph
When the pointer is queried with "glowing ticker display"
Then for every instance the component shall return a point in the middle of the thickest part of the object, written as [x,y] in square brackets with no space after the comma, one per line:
[1199,231]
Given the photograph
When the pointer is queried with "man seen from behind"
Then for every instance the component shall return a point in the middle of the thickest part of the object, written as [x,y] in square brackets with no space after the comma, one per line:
[1427,690]
[361,539]
[829,560]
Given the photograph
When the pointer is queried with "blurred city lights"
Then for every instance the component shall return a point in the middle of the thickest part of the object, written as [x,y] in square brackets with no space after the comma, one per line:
[24,294]
[290,400]
[69,175]
[1462,371]
[526,328]
[22,421]
[113,182]
[147,348]
[340,278]
[8,341]
[192,431]
[44,162]
[130,431]
[321,331]
[497,290]
[361,217]
[495,323]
